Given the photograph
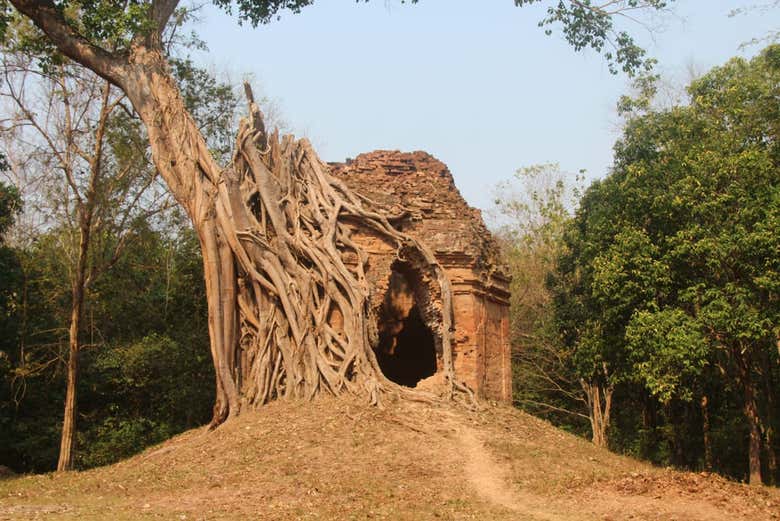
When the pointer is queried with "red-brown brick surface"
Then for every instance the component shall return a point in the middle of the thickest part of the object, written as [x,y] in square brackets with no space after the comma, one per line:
[421,187]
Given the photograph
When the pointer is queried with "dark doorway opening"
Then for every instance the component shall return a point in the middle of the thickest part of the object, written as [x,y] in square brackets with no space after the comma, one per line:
[410,355]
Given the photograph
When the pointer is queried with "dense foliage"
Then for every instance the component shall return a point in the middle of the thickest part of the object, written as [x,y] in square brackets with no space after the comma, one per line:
[666,289]
[146,371]
[95,204]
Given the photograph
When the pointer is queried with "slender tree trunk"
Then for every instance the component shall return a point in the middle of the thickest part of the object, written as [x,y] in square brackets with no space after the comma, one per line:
[772,395]
[77,303]
[706,433]
[771,457]
[85,213]
[768,423]
[675,438]
[649,426]
[754,446]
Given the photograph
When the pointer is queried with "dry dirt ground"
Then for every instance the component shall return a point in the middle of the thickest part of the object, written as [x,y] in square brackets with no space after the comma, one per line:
[342,460]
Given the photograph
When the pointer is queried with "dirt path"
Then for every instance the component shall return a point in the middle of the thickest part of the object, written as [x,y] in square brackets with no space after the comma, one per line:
[484,473]
[491,480]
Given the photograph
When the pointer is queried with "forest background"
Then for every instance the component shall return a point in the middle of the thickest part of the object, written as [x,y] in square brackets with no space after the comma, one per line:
[144,311]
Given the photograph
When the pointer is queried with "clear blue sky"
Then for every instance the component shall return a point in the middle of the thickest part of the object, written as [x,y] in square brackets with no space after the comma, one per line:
[475,83]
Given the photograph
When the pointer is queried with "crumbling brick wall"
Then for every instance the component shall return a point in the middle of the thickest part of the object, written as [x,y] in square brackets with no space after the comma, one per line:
[420,192]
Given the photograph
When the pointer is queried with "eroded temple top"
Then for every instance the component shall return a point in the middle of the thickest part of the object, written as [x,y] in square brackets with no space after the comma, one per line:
[419,183]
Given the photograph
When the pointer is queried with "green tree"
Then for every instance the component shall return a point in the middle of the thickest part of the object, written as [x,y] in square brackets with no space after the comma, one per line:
[674,255]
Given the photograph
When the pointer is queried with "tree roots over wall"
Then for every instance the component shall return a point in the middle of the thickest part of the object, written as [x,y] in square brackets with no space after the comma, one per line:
[289,300]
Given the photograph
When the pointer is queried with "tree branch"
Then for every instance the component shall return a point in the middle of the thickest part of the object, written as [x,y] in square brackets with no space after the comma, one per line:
[162,10]
[50,20]
[554,408]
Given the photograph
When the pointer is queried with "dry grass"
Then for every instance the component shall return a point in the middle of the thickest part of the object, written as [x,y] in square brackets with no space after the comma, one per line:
[339,459]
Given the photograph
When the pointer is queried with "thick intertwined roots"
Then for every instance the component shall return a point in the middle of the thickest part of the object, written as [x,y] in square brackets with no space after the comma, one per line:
[302,301]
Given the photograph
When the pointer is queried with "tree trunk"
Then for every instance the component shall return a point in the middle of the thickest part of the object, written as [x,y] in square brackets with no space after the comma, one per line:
[65,461]
[85,210]
[599,400]
[768,423]
[706,433]
[288,300]
[750,409]
[754,450]
[771,457]
[649,440]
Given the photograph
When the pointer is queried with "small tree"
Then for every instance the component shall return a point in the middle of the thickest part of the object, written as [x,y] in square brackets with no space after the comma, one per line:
[531,212]
[66,137]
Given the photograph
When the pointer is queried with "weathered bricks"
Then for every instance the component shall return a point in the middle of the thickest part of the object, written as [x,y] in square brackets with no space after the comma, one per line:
[423,186]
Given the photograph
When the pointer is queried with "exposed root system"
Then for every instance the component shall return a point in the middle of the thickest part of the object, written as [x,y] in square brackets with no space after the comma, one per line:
[288,295]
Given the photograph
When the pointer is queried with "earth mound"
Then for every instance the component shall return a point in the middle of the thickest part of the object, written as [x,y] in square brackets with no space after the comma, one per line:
[341,459]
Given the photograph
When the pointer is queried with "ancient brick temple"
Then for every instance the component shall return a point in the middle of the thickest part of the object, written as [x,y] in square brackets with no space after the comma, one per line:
[419,190]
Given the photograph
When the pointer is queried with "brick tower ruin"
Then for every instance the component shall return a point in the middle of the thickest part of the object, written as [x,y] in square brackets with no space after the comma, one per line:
[420,191]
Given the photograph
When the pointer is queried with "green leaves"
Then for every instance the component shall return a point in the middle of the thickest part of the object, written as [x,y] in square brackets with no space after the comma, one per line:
[668,352]
[628,275]
[10,204]
[588,25]
[258,12]
[110,21]
[672,263]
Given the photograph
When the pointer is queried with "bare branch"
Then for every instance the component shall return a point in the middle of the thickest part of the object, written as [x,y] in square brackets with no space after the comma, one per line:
[555,408]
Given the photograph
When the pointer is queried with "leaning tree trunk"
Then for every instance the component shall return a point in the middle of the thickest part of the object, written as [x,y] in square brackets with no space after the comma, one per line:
[67,436]
[288,298]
